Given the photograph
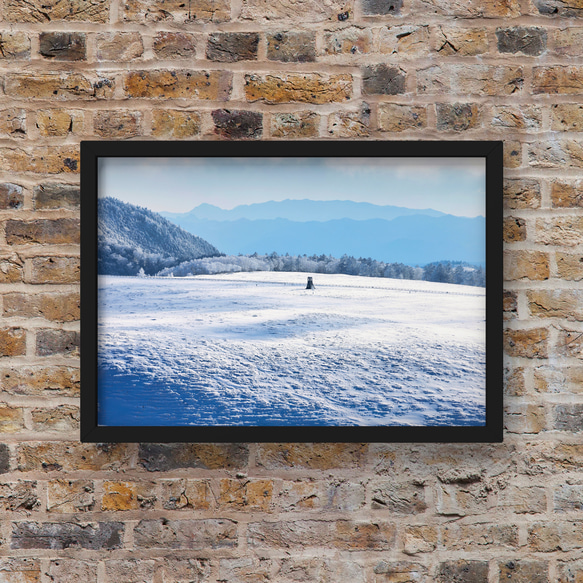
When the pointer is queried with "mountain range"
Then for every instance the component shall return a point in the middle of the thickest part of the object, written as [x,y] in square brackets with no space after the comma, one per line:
[386,233]
[301,210]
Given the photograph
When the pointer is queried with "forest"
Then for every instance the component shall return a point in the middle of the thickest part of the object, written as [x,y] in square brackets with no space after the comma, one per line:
[440,271]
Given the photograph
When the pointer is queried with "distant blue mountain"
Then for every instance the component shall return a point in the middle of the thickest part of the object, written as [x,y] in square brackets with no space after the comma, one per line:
[299,210]
[130,238]
[413,239]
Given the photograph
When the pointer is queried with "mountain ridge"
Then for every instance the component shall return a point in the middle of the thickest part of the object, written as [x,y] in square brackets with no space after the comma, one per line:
[301,210]
[413,240]
[131,238]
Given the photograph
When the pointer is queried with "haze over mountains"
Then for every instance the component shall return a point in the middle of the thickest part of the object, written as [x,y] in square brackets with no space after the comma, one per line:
[297,227]
[302,211]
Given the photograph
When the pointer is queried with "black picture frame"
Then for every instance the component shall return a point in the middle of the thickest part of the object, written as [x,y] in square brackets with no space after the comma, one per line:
[92,151]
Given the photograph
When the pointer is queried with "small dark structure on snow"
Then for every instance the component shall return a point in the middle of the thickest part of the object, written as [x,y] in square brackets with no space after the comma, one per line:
[310,284]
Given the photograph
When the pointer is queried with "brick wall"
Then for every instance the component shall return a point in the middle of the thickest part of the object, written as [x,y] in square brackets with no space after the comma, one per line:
[291,69]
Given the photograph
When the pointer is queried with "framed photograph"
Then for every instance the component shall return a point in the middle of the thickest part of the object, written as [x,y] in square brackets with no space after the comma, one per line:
[291,291]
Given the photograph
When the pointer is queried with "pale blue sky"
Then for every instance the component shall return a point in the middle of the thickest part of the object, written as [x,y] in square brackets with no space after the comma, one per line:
[454,186]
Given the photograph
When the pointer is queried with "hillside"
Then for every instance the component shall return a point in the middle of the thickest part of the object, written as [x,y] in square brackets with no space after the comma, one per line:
[131,238]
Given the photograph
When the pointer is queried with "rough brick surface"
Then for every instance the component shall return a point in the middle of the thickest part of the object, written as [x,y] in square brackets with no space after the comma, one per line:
[64,535]
[162,457]
[54,270]
[59,86]
[13,341]
[11,269]
[519,117]
[470,79]
[202,11]
[186,534]
[303,124]
[55,196]
[59,122]
[175,45]
[11,196]
[127,495]
[15,45]
[38,380]
[51,306]
[383,80]
[232,47]
[13,123]
[68,457]
[350,124]
[53,342]
[291,47]
[212,85]
[461,41]
[350,70]
[532,265]
[125,46]
[183,493]
[292,10]
[352,41]
[342,534]
[43,231]
[238,125]
[168,124]
[395,117]
[530,41]
[56,10]
[63,46]
[522,193]
[69,496]
[457,117]
[304,88]
[113,124]
[24,570]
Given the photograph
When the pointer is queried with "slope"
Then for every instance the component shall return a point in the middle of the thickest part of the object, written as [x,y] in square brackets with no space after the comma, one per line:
[131,238]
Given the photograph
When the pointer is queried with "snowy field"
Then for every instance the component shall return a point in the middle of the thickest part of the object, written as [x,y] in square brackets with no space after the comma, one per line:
[259,349]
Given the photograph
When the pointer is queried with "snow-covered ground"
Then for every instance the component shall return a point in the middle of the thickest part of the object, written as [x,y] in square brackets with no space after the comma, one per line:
[260,349]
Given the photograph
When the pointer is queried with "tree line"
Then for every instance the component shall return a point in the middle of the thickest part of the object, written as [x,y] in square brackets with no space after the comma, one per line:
[455,272]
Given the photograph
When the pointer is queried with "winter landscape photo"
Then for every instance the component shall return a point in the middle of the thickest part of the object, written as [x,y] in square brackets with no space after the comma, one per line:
[313,291]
